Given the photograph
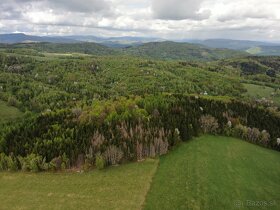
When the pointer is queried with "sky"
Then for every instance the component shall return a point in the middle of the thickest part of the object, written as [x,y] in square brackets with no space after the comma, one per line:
[169,19]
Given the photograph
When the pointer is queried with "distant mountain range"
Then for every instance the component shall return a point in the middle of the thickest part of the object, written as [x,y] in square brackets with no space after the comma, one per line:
[252,47]
[166,50]
[110,41]
[23,38]
[233,44]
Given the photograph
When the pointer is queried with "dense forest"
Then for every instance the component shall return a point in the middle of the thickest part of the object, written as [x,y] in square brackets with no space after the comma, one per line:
[86,105]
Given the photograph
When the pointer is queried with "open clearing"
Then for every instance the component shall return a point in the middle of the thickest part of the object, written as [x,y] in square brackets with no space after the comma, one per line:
[8,112]
[258,92]
[209,172]
[213,172]
[122,187]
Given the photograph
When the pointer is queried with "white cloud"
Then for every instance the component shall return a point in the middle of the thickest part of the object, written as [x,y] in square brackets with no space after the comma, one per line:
[179,9]
[239,19]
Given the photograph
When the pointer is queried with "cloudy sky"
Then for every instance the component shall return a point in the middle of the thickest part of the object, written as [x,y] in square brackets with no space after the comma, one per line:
[172,19]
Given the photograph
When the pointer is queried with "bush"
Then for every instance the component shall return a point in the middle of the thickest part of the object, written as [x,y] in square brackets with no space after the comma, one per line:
[113,155]
[265,137]
[253,135]
[12,101]
[65,162]
[56,163]
[99,162]
[176,136]
[12,163]
[33,163]
[209,124]
[3,162]
[240,131]
[87,165]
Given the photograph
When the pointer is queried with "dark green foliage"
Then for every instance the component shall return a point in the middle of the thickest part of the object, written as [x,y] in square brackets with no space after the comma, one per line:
[155,50]
[132,129]
[181,51]
[123,108]
[86,48]
[59,83]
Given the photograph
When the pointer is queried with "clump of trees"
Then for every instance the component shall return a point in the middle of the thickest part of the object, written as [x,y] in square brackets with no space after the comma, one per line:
[129,129]
[253,135]
[32,163]
[209,124]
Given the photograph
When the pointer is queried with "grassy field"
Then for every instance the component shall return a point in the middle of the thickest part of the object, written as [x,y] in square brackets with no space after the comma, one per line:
[254,50]
[8,112]
[122,187]
[258,91]
[209,172]
[216,173]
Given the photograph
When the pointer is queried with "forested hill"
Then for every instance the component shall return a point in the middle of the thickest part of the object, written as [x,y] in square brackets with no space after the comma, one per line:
[153,50]
[181,51]
[84,47]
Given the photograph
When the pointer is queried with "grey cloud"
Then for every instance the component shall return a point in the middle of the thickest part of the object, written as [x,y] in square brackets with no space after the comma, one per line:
[8,10]
[178,9]
[238,15]
[84,6]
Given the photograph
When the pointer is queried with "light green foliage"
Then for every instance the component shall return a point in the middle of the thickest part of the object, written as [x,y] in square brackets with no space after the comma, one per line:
[258,92]
[199,175]
[8,113]
[33,163]
[122,187]
[99,162]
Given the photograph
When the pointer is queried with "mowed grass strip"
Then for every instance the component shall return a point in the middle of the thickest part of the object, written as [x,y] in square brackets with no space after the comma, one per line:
[212,172]
[122,187]
[8,112]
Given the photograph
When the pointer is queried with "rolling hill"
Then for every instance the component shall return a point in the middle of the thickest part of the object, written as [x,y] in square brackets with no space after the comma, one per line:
[152,50]
[23,38]
[265,50]
[85,48]
[181,51]
[252,47]
[232,44]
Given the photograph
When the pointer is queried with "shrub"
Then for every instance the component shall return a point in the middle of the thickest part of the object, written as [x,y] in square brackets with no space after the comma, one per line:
[278,141]
[97,140]
[3,162]
[56,163]
[12,101]
[12,163]
[228,129]
[90,155]
[161,142]
[265,137]
[113,155]
[176,137]
[65,162]
[240,131]
[33,163]
[99,162]
[253,135]
[209,124]
[87,165]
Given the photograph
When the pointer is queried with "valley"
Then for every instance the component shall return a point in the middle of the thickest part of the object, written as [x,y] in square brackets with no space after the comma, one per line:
[155,126]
